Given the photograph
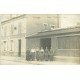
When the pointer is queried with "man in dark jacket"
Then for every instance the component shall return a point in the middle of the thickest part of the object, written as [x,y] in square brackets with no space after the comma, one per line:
[46,54]
[41,54]
[51,54]
[28,55]
[37,54]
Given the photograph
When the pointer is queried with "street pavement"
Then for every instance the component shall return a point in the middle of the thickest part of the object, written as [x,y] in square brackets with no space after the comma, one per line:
[9,60]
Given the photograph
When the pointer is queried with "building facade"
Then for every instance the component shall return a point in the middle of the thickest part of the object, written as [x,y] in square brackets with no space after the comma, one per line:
[27,31]
[64,42]
[14,28]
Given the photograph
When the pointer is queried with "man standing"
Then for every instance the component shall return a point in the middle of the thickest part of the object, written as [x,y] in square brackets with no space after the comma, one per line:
[46,54]
[28,55]
[33,51]
[51,54]
[41,56]
[37,54]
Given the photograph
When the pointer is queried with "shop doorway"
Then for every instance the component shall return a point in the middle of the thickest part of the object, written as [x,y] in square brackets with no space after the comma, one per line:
[45,42]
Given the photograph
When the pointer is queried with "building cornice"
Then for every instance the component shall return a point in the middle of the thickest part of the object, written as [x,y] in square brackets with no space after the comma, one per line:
[14,18]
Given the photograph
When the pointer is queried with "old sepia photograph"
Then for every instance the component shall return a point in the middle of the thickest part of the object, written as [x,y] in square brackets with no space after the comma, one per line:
[39,39]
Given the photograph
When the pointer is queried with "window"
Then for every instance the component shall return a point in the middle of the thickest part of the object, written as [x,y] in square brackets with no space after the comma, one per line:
[19,28]
[15,28]
[5,45]
[12,29]
[11,45]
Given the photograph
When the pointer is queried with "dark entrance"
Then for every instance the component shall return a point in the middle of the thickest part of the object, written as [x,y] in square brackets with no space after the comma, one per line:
[19,44]
[45,42]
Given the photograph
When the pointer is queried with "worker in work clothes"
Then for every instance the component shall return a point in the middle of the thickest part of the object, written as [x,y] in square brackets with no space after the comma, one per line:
[46,54]
[37,54]
[28,55]
[33,51]
[41,54]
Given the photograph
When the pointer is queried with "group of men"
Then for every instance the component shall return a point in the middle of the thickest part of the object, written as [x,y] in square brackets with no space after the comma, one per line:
[40,54]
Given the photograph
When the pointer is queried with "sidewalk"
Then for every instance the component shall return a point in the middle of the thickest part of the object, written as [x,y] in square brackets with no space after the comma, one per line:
[22,60]
[12,58]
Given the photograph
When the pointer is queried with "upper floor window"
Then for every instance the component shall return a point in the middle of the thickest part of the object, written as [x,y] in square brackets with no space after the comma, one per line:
[15,28]
[12,29]
[19,28]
